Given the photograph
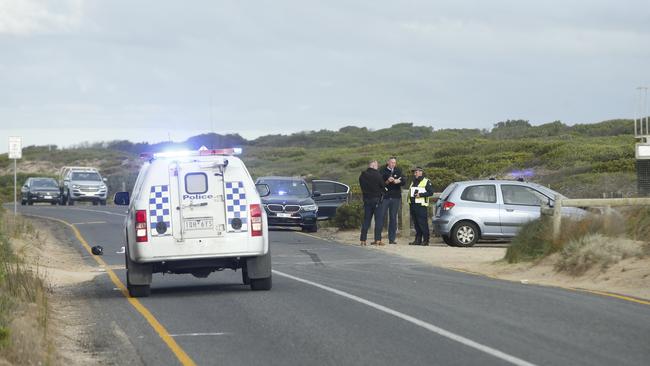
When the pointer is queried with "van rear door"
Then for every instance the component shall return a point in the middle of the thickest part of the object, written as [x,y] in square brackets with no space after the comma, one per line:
[197,199]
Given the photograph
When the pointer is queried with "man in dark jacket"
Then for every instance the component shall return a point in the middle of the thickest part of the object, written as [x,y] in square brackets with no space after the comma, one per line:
[394,180]
[373,188]
[420,191]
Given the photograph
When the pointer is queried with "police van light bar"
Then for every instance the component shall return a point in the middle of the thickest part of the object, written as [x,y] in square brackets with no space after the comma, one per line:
[202,152]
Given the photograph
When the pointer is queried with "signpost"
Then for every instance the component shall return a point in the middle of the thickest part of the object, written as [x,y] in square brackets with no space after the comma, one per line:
[15,152]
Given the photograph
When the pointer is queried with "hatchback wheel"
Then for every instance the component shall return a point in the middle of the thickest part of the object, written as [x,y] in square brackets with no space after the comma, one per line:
[465,234]
[448,240]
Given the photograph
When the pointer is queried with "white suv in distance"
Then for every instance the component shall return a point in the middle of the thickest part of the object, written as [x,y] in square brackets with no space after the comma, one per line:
[195,212]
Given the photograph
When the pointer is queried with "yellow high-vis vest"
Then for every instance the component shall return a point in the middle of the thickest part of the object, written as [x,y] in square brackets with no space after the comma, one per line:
[424,201]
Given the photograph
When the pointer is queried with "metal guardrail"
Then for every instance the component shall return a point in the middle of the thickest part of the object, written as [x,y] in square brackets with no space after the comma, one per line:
[607,203]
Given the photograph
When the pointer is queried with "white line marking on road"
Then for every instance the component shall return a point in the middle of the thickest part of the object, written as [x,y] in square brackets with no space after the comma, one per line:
[421,323]
[197,334]
[88,223]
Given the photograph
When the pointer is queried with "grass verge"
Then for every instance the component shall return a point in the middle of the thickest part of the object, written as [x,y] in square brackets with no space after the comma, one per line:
[596,240]
[24,308]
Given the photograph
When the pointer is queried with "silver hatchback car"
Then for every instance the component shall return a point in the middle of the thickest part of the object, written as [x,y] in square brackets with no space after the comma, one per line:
[472,210]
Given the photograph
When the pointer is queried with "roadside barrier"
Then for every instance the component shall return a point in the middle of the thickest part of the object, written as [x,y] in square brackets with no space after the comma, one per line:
[607,203]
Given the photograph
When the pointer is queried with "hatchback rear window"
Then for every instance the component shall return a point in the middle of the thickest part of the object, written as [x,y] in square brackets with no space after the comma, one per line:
[447,191]
[480,193]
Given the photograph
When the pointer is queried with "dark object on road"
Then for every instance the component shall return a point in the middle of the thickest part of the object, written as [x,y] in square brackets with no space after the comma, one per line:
[39,189]
[97,250]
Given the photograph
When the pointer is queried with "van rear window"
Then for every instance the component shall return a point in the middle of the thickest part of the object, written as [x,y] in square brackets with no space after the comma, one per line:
[196,183]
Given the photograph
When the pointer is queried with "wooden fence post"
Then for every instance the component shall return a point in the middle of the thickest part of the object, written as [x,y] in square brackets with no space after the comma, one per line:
[557,217]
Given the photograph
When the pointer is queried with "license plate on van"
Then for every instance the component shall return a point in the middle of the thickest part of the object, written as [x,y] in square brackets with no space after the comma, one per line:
[199,223]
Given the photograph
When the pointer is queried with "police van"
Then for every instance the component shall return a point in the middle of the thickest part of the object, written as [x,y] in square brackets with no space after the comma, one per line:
[195,212]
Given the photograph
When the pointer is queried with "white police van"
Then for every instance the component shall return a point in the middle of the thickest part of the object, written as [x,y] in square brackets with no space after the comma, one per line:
[195,212]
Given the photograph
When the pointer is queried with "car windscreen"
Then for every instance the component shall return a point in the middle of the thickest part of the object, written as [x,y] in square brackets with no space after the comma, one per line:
[294,188]
[44,183]
[92,176]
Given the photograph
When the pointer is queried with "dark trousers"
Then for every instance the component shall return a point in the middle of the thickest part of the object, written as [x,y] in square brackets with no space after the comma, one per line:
[389,206]
[419,216]
[370,209]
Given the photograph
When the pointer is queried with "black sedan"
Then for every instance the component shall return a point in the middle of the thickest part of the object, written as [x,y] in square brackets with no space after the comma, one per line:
[292,204]
[39,189]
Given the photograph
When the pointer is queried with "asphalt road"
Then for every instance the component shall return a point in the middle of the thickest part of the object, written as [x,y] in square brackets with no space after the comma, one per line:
[335,304]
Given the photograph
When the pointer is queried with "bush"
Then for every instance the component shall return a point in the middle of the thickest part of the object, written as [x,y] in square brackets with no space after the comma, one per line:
[533,241]
[579,255]
[349,216]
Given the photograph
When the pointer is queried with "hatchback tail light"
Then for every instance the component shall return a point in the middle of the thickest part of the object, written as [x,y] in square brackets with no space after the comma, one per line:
[256,220]
[448,205]
[141,226]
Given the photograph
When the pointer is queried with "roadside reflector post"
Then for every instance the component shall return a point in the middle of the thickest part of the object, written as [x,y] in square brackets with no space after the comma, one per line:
[557,217]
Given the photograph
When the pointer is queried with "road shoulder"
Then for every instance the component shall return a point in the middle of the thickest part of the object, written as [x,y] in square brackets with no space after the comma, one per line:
[629,277]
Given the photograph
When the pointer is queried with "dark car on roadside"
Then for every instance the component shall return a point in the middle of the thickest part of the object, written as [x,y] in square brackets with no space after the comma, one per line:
[291,203]
[39,189]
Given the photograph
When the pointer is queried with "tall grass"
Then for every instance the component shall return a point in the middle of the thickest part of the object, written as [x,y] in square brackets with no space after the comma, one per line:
[535,239]
[21,286]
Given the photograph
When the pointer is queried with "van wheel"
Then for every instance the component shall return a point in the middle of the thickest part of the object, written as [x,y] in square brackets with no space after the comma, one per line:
[139,290]
[23,202]
[95,203]
[465,234]
[70,201]
[102,202]
[260,284]
[29,202]
[244,277]
[448,240]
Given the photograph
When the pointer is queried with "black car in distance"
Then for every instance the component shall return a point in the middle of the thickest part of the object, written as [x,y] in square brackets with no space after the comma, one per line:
[292,204]
[39,189]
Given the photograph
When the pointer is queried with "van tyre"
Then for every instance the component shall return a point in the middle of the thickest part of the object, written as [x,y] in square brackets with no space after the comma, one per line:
[69,199]
[95,203]
[261,284]
[244,277]
[102,202]
[465,234]
[139,290]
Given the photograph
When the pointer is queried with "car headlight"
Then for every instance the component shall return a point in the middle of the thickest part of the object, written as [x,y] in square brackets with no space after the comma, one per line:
[309,208]
[103,186]
[75,186]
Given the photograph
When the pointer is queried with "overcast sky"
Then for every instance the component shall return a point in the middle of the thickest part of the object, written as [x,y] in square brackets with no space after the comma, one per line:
[75,70]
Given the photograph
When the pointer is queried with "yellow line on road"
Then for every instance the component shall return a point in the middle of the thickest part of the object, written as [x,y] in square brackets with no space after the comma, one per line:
[180,354]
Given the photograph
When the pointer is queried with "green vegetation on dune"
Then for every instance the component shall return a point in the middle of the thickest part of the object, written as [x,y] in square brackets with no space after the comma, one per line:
[580,160]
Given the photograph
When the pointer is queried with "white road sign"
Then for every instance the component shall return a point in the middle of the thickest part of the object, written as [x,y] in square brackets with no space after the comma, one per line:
[15,147]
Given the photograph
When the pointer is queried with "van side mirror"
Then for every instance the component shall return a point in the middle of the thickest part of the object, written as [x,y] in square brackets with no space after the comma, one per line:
[315,194]
[551,203]
[263,189]
[121,199]
[105,179]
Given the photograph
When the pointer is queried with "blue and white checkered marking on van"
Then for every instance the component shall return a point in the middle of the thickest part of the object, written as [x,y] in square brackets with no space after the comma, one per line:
[159,209]
[236,206]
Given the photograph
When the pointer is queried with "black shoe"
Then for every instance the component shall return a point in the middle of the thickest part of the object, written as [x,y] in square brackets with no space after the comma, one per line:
[416,242]
[392,242]
[425,242]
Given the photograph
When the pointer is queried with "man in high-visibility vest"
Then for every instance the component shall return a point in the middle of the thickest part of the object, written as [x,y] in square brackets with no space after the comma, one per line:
[420,191]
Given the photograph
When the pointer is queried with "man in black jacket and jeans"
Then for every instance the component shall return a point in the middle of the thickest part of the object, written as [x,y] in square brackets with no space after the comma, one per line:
[373,188]
[394,180]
